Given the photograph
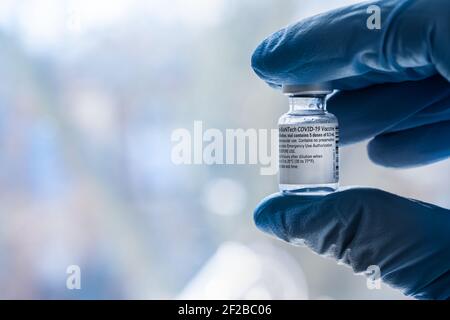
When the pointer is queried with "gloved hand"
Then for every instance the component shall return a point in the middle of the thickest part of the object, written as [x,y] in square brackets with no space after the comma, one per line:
[395,90]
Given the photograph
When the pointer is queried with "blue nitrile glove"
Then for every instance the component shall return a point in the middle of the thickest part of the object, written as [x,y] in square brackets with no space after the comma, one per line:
[395,90]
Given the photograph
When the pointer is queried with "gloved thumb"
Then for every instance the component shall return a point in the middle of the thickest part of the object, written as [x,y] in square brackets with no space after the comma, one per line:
[407,239]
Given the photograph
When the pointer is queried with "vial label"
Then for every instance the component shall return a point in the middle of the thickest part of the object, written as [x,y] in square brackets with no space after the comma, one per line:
[309,154]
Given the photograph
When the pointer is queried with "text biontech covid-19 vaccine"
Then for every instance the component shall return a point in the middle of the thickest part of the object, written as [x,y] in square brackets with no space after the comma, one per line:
[308,142]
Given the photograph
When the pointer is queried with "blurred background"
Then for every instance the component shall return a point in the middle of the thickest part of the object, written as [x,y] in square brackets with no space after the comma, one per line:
[90,93]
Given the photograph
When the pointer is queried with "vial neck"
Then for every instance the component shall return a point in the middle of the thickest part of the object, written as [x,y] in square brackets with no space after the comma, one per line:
[313,104]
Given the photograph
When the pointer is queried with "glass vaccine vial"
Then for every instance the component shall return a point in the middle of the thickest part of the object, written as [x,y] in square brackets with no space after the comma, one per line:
[308,142]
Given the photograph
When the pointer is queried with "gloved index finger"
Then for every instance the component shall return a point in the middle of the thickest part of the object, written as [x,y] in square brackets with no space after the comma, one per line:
[339,47]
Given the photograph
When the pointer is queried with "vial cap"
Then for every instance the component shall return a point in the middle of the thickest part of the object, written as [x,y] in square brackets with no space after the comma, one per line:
[307,89]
